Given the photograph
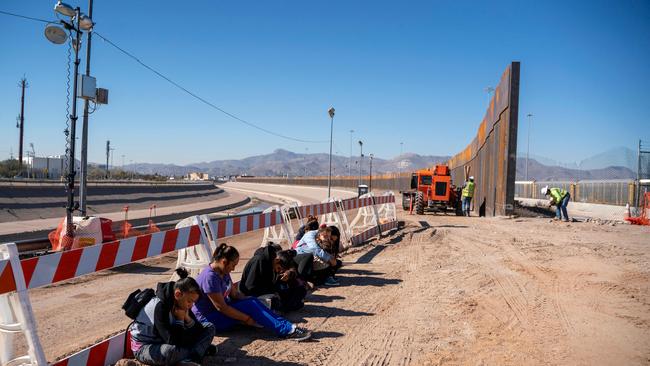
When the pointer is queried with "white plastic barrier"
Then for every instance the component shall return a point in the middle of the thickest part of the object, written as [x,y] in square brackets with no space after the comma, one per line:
[281,233]
[16,276]
[16,314]
[196,257]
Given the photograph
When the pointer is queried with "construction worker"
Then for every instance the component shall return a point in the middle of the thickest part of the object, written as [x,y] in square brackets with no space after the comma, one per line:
[468,193]
[560,199]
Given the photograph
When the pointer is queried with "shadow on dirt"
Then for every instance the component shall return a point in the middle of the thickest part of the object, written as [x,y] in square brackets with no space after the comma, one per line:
[140,269]
[323,298]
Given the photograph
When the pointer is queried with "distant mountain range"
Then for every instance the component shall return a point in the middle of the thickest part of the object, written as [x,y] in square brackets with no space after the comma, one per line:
[619,156]
[281,162]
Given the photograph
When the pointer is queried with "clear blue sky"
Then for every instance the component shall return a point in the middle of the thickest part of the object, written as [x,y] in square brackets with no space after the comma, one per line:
[395,71]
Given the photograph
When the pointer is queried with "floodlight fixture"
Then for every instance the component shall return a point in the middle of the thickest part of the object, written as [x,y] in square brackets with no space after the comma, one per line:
[55,34]
[85,23]
[64,9]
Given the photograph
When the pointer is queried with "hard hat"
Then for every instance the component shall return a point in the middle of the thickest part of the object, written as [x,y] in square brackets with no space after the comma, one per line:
[545,191]
[471,178]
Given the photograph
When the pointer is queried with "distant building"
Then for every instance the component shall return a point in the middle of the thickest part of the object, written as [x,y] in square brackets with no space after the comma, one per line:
[198,176]
[49,167]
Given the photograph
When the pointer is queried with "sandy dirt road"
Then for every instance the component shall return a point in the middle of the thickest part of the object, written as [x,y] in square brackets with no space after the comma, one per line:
[443,290]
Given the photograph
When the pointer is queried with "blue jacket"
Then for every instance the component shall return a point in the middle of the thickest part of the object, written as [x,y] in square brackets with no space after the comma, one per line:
[308,244]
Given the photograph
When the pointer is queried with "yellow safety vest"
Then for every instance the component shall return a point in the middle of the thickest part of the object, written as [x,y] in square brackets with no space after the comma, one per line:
[468,191]
[558,194]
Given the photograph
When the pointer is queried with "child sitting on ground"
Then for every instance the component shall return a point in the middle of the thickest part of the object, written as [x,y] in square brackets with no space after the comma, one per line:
[223,305]
[166,332]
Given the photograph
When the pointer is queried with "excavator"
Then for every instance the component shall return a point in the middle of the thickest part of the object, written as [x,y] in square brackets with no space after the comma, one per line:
[432,190]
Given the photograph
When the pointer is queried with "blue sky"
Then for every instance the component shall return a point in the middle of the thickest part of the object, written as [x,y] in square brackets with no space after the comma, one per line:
[412,72]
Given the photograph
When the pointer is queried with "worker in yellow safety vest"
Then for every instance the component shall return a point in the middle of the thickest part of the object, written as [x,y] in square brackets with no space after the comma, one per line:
[468,193]
[560,199]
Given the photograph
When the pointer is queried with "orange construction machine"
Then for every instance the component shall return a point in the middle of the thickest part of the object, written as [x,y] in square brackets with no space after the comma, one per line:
[432,190]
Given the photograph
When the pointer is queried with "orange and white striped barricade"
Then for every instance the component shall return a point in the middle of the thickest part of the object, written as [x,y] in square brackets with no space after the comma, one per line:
[372,232]
[282,232]
[386,210]
[366,217]
[16,314]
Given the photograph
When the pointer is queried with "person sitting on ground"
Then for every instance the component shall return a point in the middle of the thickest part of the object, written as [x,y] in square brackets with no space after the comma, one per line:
[166,332]
[223,305]
[272,271]
[310,225]
[560,199]
[313,243]
[335,239]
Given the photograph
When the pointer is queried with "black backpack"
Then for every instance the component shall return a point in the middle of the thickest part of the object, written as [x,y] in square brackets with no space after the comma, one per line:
[136,301]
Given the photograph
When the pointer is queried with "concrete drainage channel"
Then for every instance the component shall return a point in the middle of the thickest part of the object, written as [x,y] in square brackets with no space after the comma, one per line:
[39,243]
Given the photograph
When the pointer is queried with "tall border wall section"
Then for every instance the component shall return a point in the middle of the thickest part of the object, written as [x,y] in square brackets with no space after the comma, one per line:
[492,155]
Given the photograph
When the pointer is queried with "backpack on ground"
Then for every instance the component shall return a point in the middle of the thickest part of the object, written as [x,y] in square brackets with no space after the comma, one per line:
[136,301]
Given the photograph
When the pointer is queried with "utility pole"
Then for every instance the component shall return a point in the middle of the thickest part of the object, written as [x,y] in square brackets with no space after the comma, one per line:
[370,178]
[23,85]
[108,154]
[83,190]
[360,159]
[530,116]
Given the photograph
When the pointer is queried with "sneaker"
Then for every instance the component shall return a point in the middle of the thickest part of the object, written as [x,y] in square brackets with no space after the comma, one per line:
[331,281]
[299,334]
[211,351]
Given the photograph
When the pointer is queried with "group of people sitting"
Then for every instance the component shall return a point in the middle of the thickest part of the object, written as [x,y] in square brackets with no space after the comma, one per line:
[178,324]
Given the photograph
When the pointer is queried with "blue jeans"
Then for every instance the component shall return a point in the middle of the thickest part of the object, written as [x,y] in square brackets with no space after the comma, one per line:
[466,205]
[561,208]
[167,354]
[256,310]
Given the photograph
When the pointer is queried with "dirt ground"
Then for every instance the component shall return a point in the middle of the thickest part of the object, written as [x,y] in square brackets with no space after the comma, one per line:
[442,290]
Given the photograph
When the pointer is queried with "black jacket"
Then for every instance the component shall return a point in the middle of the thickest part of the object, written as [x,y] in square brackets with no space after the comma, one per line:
[258,277]
[171,332]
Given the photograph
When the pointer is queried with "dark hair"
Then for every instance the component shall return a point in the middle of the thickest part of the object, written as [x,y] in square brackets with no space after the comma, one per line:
[285,257]
[311,225]
[225,251]
[335,231]
[325,229]
[186,283]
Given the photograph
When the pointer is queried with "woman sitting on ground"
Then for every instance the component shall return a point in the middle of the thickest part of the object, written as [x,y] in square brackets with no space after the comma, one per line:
[313,243]
[166,332]
[223,305]
[272,271]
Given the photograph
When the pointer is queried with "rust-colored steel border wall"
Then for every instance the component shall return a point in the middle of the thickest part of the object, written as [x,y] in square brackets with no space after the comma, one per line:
[492,155]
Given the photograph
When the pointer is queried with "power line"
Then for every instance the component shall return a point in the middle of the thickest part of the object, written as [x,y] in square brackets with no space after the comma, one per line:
[201,99]
[26,17]
[177,85]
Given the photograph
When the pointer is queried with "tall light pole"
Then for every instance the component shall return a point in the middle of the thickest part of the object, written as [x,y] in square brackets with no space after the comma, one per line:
[77,24]
[83,189]
[370,174]
[399,165]
[360,159]
[329,176]
[350,161]
[530,117]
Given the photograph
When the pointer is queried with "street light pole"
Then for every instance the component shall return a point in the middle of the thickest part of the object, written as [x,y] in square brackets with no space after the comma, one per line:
[399,165]
[83,190]
[360,159]
[370,178]
[329,176]
[530,116]
[73,118]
